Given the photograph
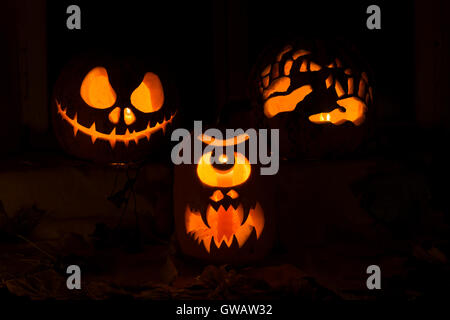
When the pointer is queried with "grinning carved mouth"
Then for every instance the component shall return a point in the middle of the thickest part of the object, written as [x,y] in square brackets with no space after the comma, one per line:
[112,137]
[225,225]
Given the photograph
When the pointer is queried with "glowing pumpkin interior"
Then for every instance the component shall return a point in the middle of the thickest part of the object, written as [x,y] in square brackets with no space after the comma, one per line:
[224,225]
[96,90]
[149,96]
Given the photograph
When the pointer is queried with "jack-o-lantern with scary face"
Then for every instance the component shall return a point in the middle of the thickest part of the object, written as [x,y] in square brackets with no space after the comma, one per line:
[223,209]
[318,94]
[112,110]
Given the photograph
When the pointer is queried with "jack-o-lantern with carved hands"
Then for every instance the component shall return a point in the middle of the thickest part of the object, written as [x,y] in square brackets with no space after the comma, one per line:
[318,94]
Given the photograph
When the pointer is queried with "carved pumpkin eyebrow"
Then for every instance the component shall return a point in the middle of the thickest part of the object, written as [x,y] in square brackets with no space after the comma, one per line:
[223,143]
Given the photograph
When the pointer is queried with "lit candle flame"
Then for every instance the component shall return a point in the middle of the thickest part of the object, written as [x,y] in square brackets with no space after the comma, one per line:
[326,118]
[223,158]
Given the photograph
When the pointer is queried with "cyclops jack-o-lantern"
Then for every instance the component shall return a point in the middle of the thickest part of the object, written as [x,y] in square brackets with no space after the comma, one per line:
[318,95]
[111,111]
[223,210]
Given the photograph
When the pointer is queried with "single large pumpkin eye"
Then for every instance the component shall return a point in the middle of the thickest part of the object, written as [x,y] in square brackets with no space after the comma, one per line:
[232,176]
[149,96]
[96,90]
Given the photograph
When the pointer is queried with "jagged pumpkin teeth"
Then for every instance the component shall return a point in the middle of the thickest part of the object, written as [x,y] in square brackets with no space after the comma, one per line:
[93,136]
[224,225]
[112,137]
[75,128]
[135,137]
[112,142]
[207,242]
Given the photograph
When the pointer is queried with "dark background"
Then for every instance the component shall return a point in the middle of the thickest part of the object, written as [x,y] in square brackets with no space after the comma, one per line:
[212,46]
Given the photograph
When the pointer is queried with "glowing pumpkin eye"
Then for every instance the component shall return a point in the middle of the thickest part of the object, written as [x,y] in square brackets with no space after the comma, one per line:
[232,194]
[149,96]
[236,175]
[96,90]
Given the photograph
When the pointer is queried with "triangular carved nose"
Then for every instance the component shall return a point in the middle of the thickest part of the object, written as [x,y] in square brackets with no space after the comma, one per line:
[114,116]
[128,116]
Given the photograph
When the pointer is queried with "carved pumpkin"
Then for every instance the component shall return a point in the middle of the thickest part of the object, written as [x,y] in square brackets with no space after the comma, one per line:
[318,95]
[223,212]
[112,110]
